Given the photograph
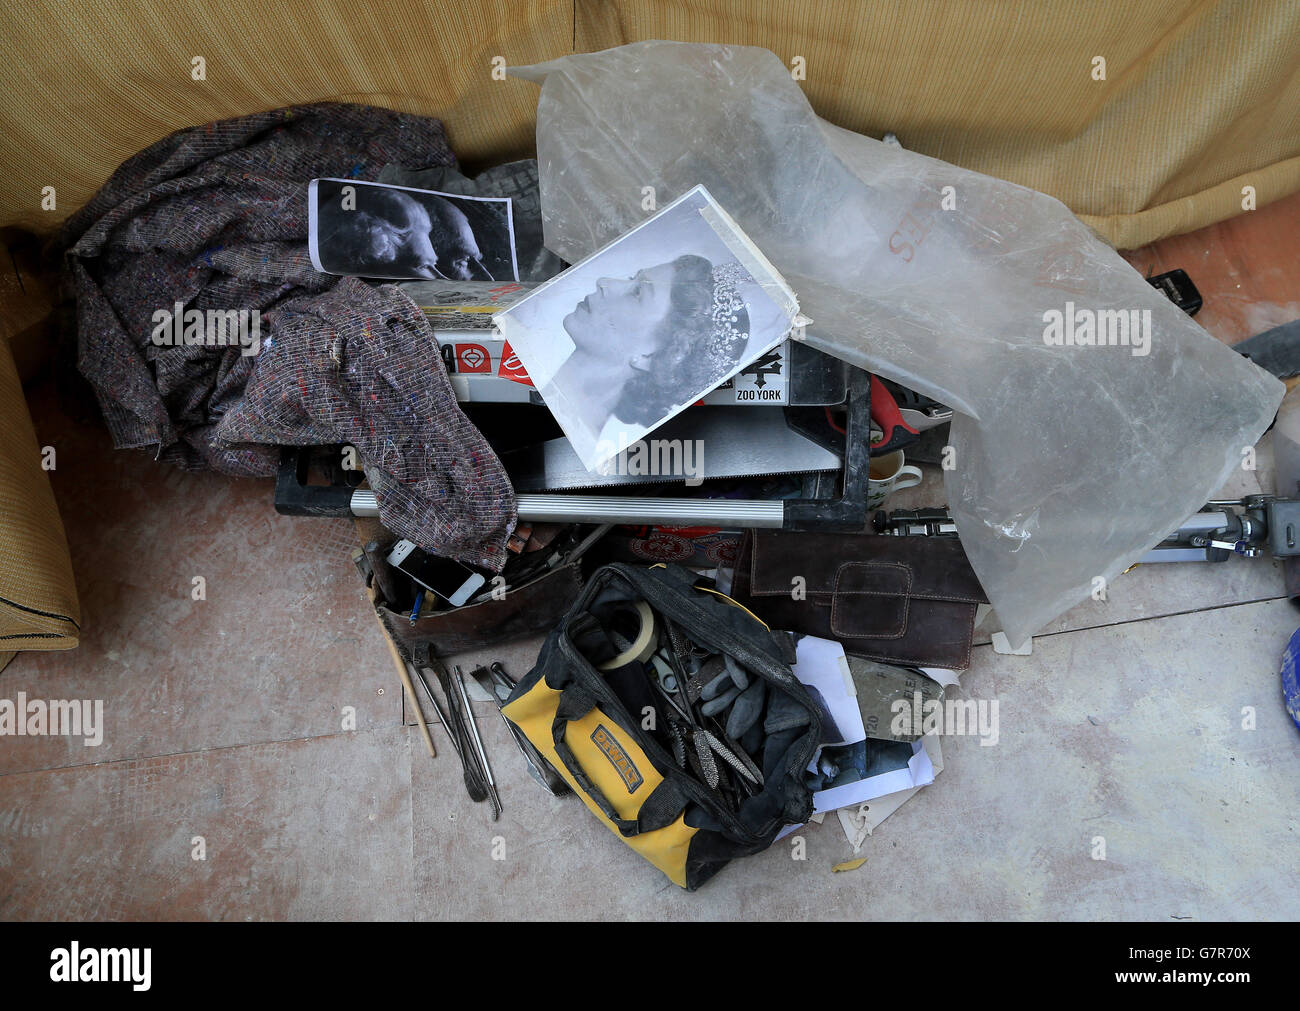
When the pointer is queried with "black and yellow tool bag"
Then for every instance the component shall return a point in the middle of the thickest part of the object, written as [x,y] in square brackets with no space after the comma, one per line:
[604,731]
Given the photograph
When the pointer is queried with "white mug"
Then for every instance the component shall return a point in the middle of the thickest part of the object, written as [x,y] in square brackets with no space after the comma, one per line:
[888,474]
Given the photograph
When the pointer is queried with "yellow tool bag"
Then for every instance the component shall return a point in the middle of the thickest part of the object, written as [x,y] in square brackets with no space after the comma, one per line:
[673,713]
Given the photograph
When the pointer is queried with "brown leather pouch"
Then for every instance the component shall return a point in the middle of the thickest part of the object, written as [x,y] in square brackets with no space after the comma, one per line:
[899,600]
[527,610]
[532,607]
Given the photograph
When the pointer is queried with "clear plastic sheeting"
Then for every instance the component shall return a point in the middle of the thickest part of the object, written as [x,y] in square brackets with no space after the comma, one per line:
[1071,459]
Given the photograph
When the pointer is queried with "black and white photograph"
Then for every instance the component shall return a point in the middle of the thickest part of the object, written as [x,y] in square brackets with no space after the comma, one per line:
[851,763]
[855,773]
[625,339]
[365,229]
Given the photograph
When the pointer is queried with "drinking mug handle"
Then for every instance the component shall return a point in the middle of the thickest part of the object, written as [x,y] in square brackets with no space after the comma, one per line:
[908,471]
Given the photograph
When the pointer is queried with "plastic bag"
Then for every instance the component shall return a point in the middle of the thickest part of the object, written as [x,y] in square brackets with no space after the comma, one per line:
[1069,461]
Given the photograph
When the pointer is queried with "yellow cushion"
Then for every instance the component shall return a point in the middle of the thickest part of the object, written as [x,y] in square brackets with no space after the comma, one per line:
[38,599]
[1198,100]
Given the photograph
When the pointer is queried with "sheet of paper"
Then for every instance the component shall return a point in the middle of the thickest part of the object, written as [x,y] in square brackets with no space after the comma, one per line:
[824,669]
[863,804]
[886,773]
[943,675]
[881,688]
[860,821]
[363,229]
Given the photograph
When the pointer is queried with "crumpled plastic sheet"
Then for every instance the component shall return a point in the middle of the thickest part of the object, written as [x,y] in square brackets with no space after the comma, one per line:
[1069,462]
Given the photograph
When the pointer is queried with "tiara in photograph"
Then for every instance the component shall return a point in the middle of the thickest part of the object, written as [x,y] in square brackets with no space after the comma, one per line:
[725,336]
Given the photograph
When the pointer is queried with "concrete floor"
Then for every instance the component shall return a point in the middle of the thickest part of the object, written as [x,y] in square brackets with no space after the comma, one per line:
[223,721]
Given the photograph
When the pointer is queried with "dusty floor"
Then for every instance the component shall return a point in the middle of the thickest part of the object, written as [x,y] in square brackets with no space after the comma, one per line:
[223,721]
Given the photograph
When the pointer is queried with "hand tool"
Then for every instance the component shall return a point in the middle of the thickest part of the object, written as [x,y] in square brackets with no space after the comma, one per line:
[895,432]
[755,774]
[663,672]
[497,683]
[918,410]
[677,646]
[475,789]
[455,722]
[723,752]
[834,502]
[478,745]
[400,664]
[704,753]
[1222,529]
[384,576]
[681,718]
[502,678]
[472,786]
[733,444]
[932,447]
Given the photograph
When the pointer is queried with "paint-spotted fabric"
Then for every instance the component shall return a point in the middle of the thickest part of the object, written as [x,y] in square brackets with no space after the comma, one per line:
[215,218]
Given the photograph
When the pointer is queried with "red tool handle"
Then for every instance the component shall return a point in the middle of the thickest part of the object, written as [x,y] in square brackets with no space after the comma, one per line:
[897,433]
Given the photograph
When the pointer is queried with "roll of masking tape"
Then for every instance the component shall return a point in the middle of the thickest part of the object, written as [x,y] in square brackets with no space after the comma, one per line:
[642,646]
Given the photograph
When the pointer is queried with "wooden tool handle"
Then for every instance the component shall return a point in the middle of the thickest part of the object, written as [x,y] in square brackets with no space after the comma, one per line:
[402,672]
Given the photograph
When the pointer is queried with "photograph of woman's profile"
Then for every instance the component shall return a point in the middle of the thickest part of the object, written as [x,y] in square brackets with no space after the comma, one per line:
[636,333]
[643,343]
[369,230]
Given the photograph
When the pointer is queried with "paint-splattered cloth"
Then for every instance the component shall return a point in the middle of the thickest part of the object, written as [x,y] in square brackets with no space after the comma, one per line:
[215,218]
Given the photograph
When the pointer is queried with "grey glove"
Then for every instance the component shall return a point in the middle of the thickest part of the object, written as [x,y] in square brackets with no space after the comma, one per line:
[747,710]
[734,674]
[785,713]
[720,702]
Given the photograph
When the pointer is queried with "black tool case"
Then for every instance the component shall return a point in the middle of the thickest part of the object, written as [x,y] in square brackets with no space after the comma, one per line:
[597,732]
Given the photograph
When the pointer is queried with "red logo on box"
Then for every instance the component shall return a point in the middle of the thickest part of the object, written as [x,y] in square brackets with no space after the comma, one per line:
[511,367]
[473,358]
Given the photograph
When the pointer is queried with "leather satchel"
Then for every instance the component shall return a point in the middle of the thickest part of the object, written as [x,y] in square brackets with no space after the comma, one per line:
[899,600]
